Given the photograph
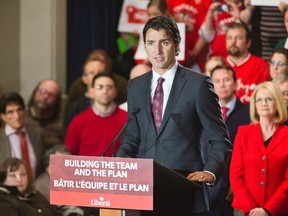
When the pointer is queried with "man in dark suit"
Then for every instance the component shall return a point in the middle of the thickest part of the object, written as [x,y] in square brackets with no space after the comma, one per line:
[12,110]
[235,114]
[168,130]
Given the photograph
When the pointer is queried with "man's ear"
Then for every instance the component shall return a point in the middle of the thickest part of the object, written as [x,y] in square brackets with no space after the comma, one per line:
[84,79]
[249,42]
[3,118]
[236,86]
[177,49]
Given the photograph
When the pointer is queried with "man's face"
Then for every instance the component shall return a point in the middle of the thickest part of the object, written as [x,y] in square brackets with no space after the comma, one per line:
[46,94]
[18,178]
[14,116]
[161,50]
[224,84]
[236,42]
[104,91]
[91,69]
[284,89]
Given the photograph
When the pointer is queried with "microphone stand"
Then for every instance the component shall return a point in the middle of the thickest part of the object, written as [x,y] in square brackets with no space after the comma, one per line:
[133,114]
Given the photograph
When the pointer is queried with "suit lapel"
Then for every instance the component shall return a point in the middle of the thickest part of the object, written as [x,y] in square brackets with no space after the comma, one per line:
[277,138]
[258,139]
[146,97]
[32,137]
[176,90]
[5,144]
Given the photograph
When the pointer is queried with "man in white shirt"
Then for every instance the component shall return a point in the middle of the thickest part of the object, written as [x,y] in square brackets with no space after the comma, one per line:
[12,110]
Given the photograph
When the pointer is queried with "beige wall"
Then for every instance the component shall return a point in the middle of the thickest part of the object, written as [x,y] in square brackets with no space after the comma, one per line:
[9,45]
[35,43]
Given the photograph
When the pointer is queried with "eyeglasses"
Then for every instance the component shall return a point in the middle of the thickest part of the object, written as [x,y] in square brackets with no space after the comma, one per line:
[107,87]
[19,110]
[278,63]
[267,100]
[44,91]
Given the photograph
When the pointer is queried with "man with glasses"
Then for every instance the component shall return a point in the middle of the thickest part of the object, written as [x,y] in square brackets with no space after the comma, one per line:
[18,138]
[91,131]
[250,70]
[91,68]
[44,109]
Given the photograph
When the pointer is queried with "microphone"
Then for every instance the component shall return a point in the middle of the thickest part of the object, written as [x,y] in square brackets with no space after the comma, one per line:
[134,112]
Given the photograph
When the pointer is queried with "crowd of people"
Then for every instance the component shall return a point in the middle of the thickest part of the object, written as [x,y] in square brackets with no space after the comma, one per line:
[223,99]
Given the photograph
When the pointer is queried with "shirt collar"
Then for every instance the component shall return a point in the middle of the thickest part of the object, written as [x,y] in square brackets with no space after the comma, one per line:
[9,130]
[231,104]
[240,63]
[168,75]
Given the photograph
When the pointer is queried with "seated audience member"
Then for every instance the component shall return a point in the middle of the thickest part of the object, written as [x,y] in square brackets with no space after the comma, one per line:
[234,114]
[33,202]
[279,63]
[192,13]
[212,62]
[9,201]
[282,83]
[79,88]
[212,32]
[250,70]
[44,110]
[259,165]
[92,130]
[42,183]
[91,68]
[17,137]
[136,71]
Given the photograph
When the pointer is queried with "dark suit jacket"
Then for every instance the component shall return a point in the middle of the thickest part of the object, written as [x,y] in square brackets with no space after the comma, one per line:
[35,135]
[239,116]
[192,106]
[217,194]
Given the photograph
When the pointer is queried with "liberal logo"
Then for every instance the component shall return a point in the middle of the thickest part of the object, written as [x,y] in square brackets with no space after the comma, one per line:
[101,202]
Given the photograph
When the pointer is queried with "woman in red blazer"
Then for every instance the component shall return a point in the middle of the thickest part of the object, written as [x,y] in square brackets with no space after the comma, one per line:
[259,164]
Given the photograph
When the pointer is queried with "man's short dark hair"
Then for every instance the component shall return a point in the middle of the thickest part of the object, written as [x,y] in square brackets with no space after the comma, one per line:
[241,26]
[167,24]
[10,98]
[105,74]
[227,68]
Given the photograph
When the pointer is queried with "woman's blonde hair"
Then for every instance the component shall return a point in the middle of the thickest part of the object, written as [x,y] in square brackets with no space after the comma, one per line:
[281,111]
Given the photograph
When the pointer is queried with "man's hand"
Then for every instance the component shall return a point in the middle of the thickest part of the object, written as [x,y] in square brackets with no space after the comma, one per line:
[201,176]
[282,6]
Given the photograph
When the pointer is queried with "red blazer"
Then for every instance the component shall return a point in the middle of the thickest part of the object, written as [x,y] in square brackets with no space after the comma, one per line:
[259,175]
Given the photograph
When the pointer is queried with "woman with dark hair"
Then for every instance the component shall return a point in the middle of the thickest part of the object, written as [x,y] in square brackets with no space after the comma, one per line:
[16,187]
[279,63]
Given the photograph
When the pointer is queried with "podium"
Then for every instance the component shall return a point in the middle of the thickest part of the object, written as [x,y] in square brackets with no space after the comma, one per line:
[168,193]
[176,195]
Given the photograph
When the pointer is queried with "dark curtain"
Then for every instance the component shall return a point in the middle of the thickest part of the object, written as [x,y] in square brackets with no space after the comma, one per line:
[92,24]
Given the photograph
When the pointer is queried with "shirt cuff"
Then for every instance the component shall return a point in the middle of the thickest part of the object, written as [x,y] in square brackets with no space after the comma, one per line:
[213,177]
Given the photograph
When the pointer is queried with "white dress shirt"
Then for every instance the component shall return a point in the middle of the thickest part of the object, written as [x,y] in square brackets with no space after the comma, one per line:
[15,145]
[167,84]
